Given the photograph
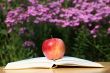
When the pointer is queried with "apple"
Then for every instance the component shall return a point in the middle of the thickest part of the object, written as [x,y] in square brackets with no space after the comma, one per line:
[53,48]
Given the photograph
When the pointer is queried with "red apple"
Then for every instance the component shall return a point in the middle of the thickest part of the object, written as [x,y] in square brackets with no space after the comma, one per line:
[53,48]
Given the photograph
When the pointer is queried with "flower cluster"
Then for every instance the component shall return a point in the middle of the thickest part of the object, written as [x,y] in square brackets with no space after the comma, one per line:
[78,12]
[15,16]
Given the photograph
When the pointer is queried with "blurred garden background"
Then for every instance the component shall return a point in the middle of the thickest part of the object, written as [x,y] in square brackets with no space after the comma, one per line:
[84,25]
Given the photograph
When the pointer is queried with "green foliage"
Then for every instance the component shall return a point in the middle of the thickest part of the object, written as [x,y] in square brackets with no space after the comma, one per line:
[11,48]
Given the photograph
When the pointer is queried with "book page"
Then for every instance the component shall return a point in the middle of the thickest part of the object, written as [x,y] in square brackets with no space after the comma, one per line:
[73,61]
[40,62]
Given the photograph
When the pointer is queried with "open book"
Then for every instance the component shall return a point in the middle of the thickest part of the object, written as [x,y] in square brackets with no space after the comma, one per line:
[43,62]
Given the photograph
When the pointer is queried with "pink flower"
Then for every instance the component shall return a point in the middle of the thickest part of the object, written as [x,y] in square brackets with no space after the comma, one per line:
[97,26]
[93,31]
[94,36]
[9,1]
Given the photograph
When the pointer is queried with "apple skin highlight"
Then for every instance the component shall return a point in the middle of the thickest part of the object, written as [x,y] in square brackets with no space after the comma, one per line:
[53,48]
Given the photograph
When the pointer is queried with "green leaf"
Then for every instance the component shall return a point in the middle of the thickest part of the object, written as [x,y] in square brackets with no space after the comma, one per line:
[3,32]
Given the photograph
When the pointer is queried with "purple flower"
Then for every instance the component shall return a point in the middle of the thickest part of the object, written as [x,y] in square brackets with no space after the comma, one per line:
[23,30]
[94,36]
[23,17]
[97,26]
[54,4]
[108,30]
[10,30]
[33,1]
[80,11]
[12,17]
[61,1]
[9,1]
[29,44]
[32,11]
[93,31]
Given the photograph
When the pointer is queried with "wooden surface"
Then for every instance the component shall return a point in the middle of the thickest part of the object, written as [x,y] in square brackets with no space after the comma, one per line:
[106,69]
